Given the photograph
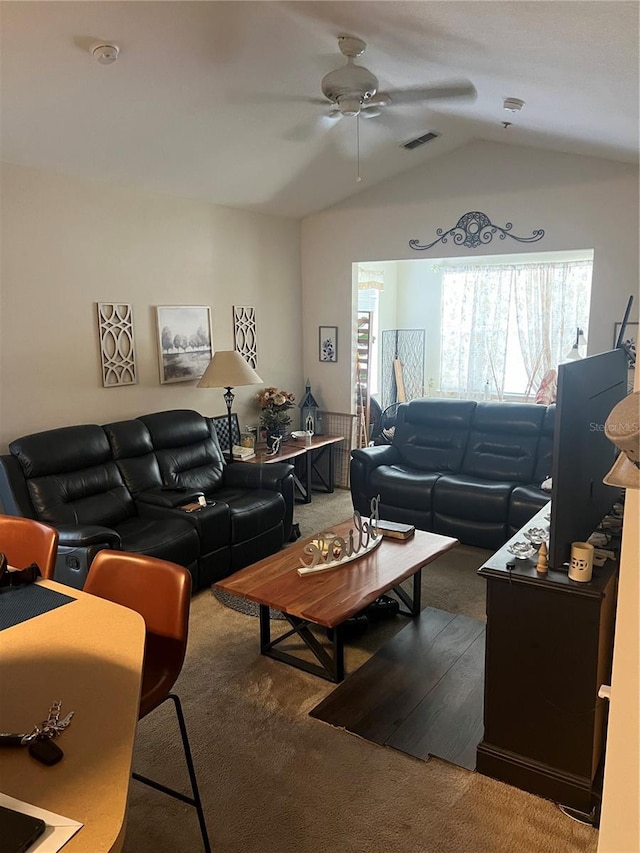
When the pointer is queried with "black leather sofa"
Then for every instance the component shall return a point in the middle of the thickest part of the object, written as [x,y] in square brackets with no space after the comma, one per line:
[122,486]
[460,468]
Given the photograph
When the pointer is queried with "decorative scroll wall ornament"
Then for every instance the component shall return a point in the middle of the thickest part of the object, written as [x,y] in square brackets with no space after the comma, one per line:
[475,229]
[117,349]
[244,329]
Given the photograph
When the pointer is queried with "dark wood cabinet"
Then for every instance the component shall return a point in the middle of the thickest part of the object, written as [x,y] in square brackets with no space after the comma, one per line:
[549,646]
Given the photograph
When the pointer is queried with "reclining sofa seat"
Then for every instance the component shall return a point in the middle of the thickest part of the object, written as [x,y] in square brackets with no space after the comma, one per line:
[460,468]
[67,477]
[168,458]
[526,500]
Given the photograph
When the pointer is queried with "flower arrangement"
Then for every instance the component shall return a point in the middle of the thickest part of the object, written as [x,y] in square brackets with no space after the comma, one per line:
[275,405]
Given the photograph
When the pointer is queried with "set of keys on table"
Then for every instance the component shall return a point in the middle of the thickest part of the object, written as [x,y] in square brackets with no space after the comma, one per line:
[40,741]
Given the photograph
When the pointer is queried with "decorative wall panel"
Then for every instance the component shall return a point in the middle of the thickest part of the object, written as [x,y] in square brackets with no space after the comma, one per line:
[117,346]
[244,330]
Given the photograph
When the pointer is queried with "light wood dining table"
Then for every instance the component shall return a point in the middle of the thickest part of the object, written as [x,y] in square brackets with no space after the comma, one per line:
[89,654]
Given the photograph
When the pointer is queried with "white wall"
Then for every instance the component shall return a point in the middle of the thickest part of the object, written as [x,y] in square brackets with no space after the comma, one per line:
[580,202]
[68,243]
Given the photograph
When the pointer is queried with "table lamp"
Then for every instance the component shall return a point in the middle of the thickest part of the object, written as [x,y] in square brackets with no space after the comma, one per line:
[228,369]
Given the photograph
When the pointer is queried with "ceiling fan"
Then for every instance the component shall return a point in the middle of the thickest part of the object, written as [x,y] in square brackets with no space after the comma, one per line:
[352,90]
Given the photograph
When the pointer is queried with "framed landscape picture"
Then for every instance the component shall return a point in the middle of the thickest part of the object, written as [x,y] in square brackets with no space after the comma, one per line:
[184,341]
[328,343]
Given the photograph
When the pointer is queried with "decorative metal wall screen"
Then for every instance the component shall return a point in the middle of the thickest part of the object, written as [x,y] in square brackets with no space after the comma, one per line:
[475,229]
[407,346]
[117,346]
[244,330]
[221,424]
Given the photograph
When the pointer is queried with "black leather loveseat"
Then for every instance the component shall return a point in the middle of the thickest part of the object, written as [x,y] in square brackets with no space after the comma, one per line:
[122,486]
[460,468]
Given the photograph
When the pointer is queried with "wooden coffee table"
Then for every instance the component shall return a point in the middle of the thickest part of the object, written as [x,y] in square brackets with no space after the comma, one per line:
[329,598]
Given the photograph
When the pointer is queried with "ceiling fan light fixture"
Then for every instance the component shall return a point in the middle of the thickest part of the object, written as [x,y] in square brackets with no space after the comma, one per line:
[349,105]
[348,82]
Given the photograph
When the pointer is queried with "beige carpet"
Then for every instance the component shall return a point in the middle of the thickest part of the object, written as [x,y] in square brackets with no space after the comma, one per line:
[274,780]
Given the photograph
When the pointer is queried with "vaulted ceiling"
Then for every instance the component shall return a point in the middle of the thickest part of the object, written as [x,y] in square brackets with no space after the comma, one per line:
[221,101]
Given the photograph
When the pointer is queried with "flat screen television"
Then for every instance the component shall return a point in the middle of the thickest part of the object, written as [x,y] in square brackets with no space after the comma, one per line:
[582,454]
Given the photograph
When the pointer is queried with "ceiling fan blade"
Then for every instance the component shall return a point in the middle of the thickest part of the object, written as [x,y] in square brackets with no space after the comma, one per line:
[460,89]
[309,130]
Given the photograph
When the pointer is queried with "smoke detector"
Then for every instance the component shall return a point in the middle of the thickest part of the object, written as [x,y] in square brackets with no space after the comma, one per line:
[104,53]
[513,105]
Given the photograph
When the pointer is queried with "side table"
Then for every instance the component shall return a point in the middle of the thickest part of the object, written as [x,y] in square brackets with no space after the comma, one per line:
[310,455]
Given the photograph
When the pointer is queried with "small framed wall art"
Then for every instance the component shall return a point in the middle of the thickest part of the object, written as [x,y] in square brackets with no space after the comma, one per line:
[184,341]
[328,343]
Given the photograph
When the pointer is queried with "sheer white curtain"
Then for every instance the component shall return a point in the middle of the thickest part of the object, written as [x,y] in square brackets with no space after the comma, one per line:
[551,301]
[475,317]
[533,300]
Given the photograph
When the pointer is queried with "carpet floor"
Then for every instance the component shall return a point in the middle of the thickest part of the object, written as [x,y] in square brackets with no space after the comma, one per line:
[274,780]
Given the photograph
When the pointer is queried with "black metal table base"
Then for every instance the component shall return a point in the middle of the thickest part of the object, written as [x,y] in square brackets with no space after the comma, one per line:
[330,665]
[310,464]
[330,659]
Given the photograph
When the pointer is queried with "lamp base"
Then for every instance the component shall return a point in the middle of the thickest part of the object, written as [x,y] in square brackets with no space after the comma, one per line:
[228,398]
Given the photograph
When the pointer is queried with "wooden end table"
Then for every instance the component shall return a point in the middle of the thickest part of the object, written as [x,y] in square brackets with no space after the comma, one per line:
[329,598]
[312,452]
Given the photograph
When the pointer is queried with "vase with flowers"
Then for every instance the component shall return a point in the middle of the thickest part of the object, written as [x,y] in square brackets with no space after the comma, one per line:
[274,417]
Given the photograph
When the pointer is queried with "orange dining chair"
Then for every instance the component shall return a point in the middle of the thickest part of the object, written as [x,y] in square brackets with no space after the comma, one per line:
[24,541]
[161,592]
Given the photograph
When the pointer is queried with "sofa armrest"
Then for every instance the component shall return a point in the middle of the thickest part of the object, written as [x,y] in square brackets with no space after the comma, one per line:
[85,535]
[275,476]
[364,461]
[168,497]
[246,475]
[371,457]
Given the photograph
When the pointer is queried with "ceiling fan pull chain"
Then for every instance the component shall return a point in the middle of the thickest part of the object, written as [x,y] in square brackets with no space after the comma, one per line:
[358,178]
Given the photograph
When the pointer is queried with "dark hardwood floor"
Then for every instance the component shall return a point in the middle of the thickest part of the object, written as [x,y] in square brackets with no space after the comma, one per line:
[422,693]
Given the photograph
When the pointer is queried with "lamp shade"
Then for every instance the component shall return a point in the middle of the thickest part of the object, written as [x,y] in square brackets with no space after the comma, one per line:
[228,369]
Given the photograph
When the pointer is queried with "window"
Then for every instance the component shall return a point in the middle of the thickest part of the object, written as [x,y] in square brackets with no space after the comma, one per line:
[504,326]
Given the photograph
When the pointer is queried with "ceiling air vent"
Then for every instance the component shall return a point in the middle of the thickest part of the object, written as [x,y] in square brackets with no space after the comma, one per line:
[420,140]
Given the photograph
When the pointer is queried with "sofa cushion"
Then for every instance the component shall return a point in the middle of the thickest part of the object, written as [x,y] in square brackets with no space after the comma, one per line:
[401,486]
[431,435]
[252,512]
[72,478]
[504,441]
[524,502]
[464,497]
[168,539]
[131,445]
[187,451]
[480,534]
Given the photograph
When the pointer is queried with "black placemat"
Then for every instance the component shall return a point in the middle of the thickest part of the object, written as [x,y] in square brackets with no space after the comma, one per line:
[22,603]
